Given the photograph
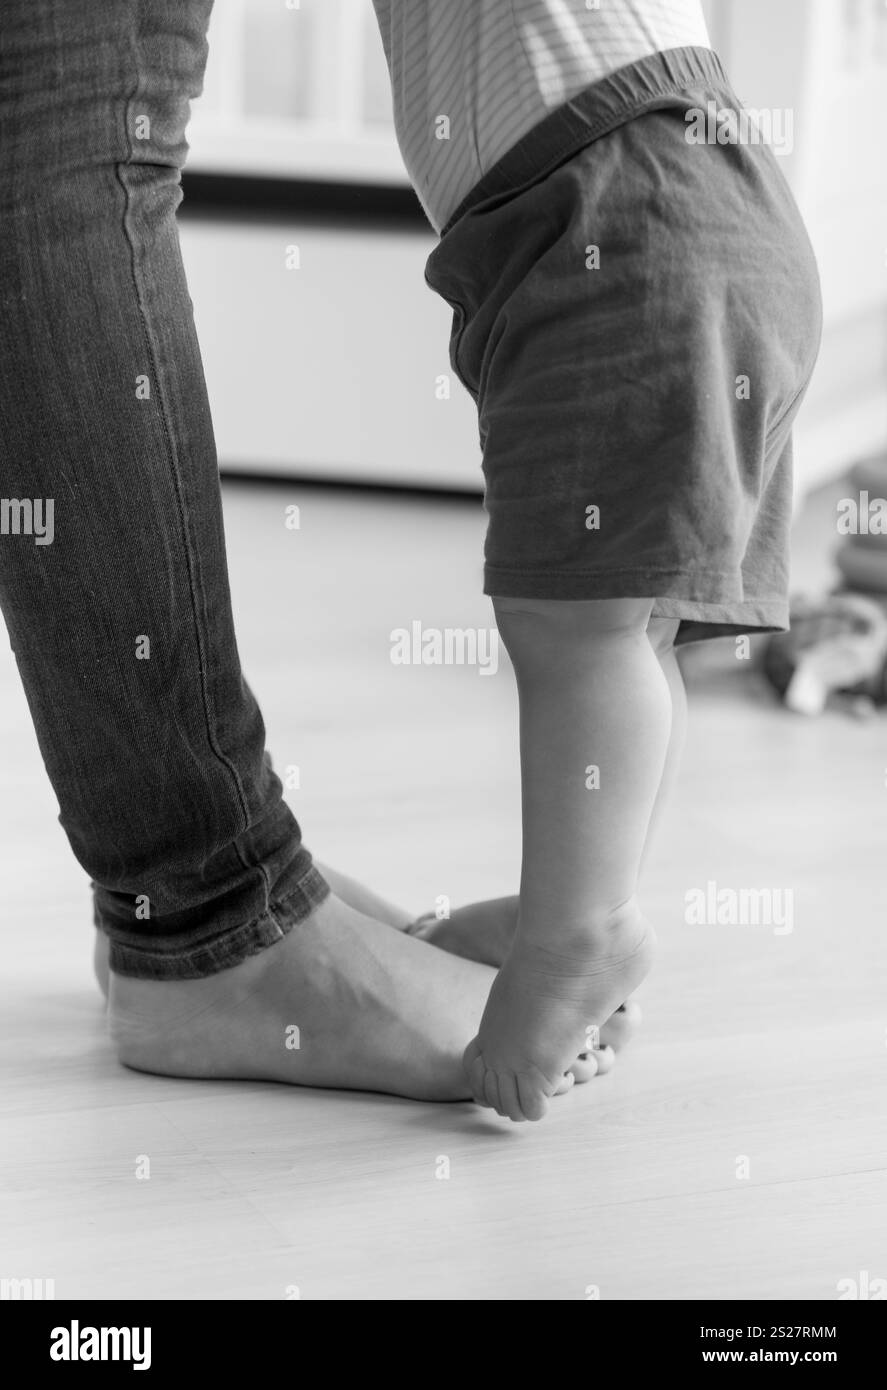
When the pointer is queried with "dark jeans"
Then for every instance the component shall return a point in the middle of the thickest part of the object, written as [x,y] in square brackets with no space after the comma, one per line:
[119,612]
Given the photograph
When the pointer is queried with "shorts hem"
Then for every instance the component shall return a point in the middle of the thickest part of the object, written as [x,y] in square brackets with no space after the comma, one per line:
[705,602]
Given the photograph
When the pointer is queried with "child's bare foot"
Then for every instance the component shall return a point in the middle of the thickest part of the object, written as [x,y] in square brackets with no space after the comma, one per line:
[542,1004]
[485,931]
[341,1001]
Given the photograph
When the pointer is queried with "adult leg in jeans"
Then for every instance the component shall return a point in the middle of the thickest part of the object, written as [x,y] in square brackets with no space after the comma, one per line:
[224,936]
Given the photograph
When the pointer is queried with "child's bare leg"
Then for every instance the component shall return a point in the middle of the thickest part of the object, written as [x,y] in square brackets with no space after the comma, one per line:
[593,695]
[483,931]
[661,633]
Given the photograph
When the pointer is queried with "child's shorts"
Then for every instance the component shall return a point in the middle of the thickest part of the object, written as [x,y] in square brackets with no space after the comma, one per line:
[637,315]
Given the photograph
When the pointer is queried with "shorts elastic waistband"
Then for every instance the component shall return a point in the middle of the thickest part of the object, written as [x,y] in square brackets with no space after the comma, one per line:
[642,86]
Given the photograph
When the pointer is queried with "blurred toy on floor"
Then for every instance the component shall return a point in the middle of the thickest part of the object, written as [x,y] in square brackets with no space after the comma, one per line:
[835,654]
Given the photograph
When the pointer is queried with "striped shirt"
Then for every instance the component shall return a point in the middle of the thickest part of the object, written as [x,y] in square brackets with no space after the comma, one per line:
[470,77]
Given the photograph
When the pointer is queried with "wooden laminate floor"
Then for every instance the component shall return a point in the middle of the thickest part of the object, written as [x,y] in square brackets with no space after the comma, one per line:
[761,1053]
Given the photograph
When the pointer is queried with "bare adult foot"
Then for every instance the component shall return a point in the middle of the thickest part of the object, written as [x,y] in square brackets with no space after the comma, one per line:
[342,1001]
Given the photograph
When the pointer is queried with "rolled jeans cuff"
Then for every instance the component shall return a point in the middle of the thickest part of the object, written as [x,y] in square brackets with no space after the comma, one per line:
[190,955]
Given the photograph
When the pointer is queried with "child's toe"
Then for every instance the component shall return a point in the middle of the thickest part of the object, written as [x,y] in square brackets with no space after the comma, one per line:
[605,1058]
[617,1030]
[585,1067]
[510,1098]
[533,1102]
[475,1070]
[491,1091]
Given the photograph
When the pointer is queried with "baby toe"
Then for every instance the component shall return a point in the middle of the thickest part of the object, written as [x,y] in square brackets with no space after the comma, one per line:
[533,1101]
[605,1058]
[585,1067]
[620,1026]
[491,1091]
[510,1098]
[475,1070]
[566,1083]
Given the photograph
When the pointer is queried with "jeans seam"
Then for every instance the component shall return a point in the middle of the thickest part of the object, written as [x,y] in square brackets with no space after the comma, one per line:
[173,462]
